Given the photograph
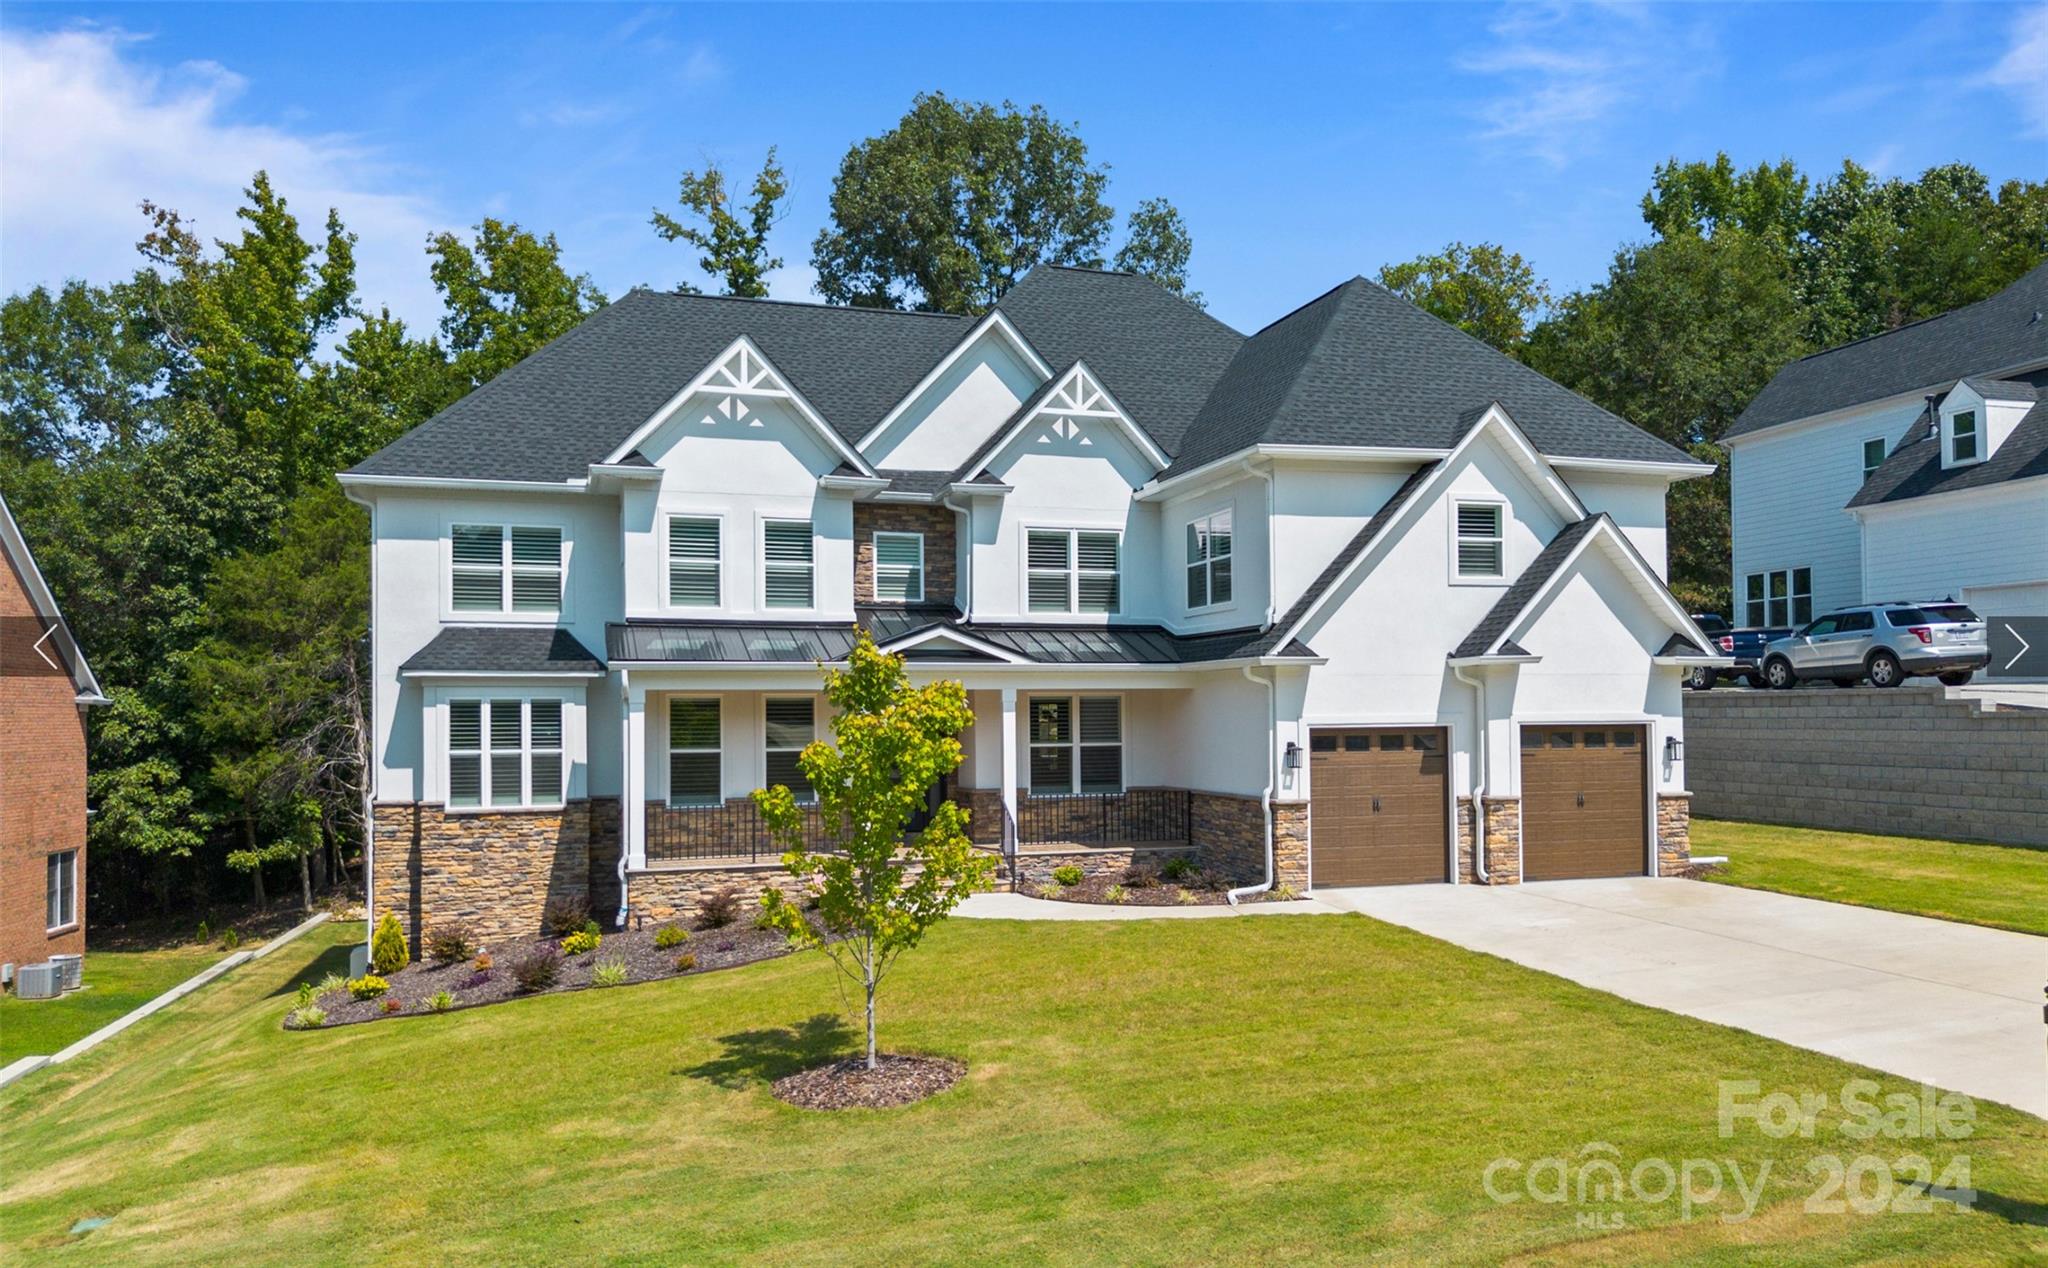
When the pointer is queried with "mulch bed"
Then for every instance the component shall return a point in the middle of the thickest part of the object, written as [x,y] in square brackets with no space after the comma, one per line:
[897,1079]
[1160,893]
[414,985]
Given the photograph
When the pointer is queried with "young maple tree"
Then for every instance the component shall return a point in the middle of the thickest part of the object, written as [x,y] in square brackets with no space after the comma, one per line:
[879,889]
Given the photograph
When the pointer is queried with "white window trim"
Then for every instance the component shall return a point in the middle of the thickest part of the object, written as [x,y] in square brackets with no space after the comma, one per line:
[70,918]
[875,549]
[668,749]
[761,564]
[1948,437]
[667,593]
[1792,596]
[1074,744]
[817,717]
[1457,575]
[485,698]
[1208,565]
[1862,455]
[1073,571]
[505,614]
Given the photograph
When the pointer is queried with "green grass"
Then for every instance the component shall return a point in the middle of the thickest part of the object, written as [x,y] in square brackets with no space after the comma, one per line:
[2003,886]
[115,982]
[1293,1089]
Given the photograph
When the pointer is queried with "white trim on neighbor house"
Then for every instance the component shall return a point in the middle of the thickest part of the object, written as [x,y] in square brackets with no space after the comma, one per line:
[2005,490]
[995,321]
[745,370]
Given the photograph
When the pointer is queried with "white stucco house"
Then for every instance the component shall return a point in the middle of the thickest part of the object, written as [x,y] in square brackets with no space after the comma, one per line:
[1352,600]
[1909,466]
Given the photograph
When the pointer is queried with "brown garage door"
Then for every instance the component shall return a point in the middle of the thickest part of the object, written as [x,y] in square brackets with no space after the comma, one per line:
[1582,802]
[1376,813]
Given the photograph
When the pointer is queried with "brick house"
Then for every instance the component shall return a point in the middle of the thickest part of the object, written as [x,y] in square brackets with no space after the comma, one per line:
[45,688]
[1351,600]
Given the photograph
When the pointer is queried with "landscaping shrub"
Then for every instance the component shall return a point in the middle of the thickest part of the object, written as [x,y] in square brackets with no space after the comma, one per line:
[1048,891]
[669,937]
[564,916]
[230,940]
[1283,893]
[609,973]
[205,934]
[307,1018]
[1115,894]
[581,941]
[332,982]
[476,979]
[483,962]
[392,1005]
[305,995]
[685,962]
[440,1002]
[1179,868]
[718,908]
[387,946]
[368,986]
[1068,874]
[1185,898]
[450,942]
[537,969]
[1141,878]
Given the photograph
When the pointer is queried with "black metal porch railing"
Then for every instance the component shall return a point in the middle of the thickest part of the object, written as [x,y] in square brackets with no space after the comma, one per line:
[1135,816]
[733,832]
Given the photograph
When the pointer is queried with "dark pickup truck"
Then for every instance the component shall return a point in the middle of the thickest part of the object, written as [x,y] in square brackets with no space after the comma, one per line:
[1746,646]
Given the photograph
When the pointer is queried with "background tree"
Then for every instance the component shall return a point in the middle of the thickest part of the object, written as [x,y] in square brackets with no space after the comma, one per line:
[945,211]
[735,249]
[1486,291]
[506,295]
[1157,245]
[877,891]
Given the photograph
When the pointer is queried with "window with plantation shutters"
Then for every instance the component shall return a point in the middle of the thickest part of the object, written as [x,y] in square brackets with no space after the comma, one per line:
[791,724]
[465,752]
[499,569]
[502,733]
[1073,570]
[506,752]
[693,562]
[693,752]
[1480,546]
[899,567]
[787,573]
[1076,743]
[544,752]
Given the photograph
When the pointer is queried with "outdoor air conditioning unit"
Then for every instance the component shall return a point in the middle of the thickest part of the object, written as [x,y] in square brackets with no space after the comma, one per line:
[36,981]
[70,971]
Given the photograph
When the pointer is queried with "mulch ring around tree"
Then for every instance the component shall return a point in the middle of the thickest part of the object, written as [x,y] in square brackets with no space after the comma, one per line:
[468,986]
[897,1079]
[1141,889]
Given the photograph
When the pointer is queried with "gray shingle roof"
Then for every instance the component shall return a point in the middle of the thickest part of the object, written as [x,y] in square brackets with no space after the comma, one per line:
[803,643]
[503,650]
[1680,645]
[1914,468]
[2008,330]
[1540,570]
[2005,389]
[578,398]
[1362,366]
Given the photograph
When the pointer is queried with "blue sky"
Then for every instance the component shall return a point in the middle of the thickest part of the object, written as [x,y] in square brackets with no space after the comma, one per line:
[1303,143]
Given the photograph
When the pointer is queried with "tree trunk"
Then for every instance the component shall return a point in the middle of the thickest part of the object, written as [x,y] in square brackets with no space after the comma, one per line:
[869,975]
[305,880]
[256,872]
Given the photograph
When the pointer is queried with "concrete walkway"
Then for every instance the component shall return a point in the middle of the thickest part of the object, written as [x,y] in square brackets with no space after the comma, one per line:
[1949,1004]
[1025,907]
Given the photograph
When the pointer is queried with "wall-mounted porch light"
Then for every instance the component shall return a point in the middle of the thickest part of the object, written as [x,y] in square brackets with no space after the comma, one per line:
[1291,758]
[1673,748]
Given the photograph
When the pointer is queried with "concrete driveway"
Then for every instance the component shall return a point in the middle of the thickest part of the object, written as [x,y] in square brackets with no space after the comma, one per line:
[1942,1003]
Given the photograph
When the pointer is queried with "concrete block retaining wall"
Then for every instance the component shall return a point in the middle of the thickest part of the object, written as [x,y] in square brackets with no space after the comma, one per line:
[1908,761]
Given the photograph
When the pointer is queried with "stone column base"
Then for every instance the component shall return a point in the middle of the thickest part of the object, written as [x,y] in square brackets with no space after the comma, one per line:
[1504,840]
[1290,846]
[1674,834]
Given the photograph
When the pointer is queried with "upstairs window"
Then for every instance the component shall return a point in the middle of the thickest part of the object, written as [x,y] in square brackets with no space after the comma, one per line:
[1780,598]
[899,568]
[791,724]
[1073,570]
[1208,564]
[1481,547]
[1964,444]
[505,753]
[693,752]
[505,569]
[1077,745]
[1873,456]
[788,576]
[693,562]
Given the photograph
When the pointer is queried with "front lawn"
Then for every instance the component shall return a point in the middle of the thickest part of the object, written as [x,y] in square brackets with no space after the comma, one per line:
[115,982]
[1310,1089]
[2003,886]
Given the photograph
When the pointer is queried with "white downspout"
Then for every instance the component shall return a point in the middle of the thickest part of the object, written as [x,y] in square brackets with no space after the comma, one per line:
[1266,797]
[966,583]
[626,798]
[1478,685]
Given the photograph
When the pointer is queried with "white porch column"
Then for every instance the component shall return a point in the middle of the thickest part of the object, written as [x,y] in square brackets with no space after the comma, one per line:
[633,780]
[1010,752]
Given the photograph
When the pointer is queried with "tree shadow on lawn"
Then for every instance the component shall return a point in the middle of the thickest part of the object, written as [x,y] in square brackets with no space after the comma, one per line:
[763,1056]
[332,960]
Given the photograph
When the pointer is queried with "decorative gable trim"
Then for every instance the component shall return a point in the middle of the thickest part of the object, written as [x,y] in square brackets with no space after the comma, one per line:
[738,376]
[1075,400]
[1624,554]
[995,321]
[949,635]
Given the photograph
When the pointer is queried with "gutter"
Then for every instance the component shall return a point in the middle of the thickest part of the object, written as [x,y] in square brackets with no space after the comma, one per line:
[1266,797]
[1478,685]
[964,519]
[625,785]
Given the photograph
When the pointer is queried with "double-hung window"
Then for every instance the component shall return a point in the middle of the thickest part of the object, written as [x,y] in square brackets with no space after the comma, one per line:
[1481,545]
[1964,444]
[1077,744]
[60,890]
[791,723]
[693,751]
[1873,456]
[787,572]
[505,752]
[1781,597]
[1073,570]
[899,567]
[1208,563]
[693,561]
[497,568]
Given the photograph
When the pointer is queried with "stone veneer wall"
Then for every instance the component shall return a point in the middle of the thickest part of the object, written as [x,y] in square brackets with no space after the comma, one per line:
[937,525]
[1504,840]
[1674,833]
[1035,867]
[1229,835]
[1290,847]
[493,870]
[1467,868]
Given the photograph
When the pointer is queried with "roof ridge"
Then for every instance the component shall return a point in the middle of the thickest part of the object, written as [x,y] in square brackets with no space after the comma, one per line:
[2000,293]
[794,303]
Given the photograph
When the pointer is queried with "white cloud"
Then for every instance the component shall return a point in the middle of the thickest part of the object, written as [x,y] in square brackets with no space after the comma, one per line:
[2024,69]
[1565,71]
[89,129]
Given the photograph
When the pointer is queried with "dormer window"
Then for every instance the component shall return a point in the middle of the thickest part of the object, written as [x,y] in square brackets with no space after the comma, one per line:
[1965,445]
